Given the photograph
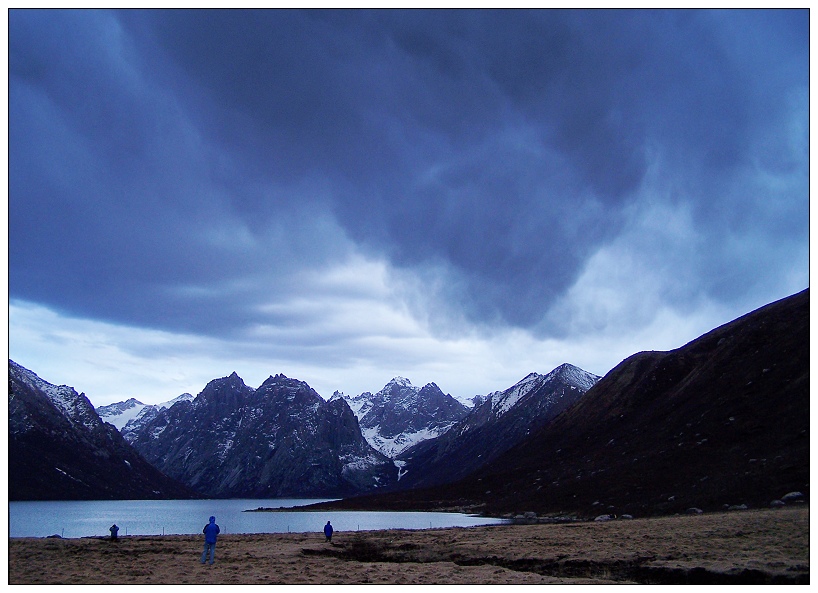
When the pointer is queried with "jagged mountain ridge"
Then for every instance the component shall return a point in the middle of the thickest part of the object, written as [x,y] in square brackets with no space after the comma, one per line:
[60,449]
[281,439]
[400,415]
[502,420]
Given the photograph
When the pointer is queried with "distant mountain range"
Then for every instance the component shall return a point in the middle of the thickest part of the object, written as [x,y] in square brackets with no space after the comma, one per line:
[280,440]
[720,421]
[283,439]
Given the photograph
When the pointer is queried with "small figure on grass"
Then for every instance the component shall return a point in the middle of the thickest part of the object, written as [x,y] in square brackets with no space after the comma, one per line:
[114,530]
[211,531]
[328,531]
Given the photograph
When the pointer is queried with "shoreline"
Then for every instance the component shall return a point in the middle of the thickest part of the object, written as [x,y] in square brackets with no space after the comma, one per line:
[740,547]
[312,509]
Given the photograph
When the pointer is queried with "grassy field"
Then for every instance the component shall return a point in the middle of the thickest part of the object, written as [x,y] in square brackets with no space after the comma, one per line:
[741,547]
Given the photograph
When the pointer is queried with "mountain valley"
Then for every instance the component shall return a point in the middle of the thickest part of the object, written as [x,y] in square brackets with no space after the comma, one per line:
[720,422]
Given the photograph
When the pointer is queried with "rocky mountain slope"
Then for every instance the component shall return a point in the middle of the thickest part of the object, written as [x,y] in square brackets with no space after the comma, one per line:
[281,439]
[720,422]
[501,421]
[401,415]
[60,449]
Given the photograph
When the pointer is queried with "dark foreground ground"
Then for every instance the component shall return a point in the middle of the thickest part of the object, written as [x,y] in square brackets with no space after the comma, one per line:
[741,547]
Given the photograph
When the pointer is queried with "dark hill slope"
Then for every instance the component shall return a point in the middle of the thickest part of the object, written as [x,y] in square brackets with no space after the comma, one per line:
[59,449]
[723,420]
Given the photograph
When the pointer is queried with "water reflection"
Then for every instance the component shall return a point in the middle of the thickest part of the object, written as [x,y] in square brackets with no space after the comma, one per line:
[166,517]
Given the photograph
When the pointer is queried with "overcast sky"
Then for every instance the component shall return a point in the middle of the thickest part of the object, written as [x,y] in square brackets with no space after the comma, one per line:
[344,197]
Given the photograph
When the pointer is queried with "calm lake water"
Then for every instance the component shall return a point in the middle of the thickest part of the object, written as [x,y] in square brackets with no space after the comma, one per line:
[158,517]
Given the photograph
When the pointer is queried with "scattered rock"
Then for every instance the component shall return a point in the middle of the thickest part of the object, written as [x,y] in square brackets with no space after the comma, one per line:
[559,519]
[792,496]
[528,518]
[694,511]
[737,507]
[778,503]
[605,518]
[626,516]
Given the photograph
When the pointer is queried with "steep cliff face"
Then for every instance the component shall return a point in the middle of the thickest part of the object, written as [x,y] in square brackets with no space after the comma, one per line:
[281,439]
[59,449]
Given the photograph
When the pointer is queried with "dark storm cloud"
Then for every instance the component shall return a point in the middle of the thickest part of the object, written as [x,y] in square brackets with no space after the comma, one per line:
[502,149]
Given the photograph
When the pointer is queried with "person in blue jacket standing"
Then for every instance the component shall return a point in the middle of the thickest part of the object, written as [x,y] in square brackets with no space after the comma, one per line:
[211,530]
[328,531]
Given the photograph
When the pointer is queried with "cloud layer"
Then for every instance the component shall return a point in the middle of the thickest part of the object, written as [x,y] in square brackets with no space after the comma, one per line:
[323,178]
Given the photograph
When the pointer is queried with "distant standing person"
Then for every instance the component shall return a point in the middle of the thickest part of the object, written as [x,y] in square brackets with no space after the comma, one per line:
[328,531]
[211,531]
[114,530]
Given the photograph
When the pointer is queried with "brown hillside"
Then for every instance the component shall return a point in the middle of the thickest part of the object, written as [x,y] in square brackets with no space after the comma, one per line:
[723,420]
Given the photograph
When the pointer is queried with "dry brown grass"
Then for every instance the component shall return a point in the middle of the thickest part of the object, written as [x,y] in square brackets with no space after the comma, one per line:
[758,546]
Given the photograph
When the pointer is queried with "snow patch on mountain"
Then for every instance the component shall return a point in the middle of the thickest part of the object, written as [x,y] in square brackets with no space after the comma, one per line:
[358,463]
[392,447]
[469,402]
[503,401]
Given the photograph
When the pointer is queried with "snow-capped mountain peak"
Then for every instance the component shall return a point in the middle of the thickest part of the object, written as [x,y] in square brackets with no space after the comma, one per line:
[120,413]
[574,376]
[185,397]
[401,415]
[397,387]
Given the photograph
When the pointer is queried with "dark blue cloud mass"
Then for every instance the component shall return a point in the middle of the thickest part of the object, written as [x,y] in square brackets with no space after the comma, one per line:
[180,169]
